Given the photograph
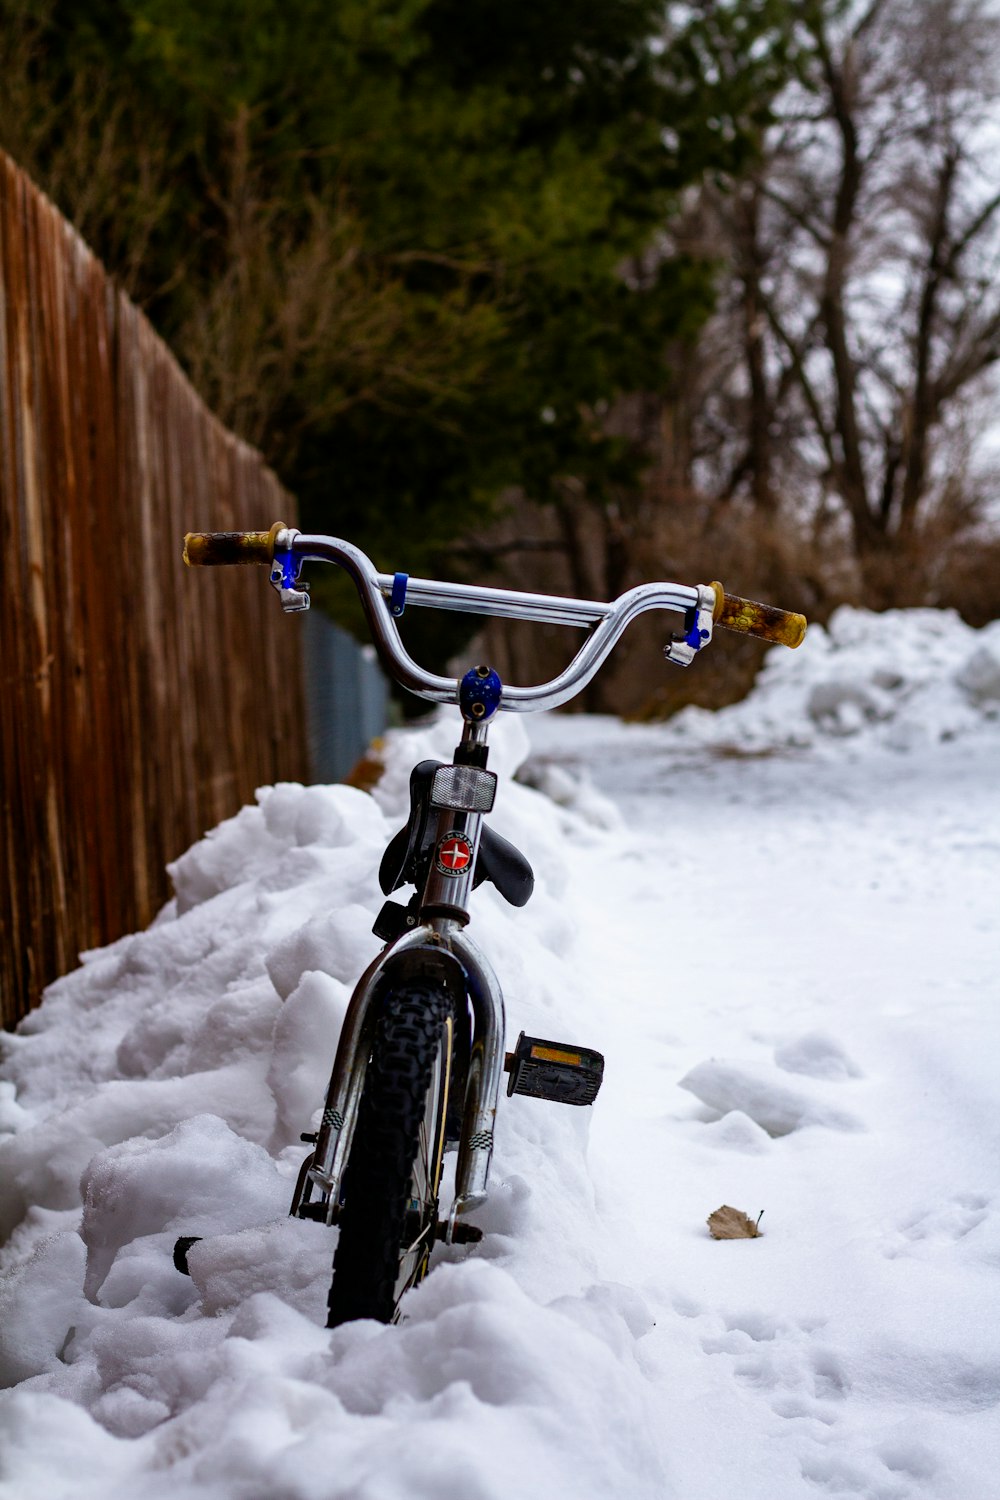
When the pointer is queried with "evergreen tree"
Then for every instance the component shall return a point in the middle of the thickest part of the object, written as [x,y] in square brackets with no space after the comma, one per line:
[413,249]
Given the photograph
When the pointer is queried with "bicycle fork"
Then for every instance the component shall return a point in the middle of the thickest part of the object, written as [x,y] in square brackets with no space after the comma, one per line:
[444,839]
[451,959]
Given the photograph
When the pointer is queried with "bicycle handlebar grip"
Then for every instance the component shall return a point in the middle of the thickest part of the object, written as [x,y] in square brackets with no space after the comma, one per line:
[211,549]
[764,620]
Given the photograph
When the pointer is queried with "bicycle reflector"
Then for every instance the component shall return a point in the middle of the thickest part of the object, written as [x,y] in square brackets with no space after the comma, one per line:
[464,789]
[554,1070]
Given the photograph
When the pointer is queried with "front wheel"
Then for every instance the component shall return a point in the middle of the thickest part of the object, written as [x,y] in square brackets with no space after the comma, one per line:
[389,1212]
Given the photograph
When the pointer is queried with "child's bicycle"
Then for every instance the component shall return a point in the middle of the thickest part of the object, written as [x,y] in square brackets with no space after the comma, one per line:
[421,1055]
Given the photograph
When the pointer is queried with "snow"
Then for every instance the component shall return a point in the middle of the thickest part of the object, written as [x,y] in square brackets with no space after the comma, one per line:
[779,923]
[903,678]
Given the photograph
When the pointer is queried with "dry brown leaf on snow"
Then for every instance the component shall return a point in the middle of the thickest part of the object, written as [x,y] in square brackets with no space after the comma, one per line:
[730,1224]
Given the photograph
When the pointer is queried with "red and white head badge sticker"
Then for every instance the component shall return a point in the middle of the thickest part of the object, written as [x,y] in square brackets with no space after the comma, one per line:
[454,854]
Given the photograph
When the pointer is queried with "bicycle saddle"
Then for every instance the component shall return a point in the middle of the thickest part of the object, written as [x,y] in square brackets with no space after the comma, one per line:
[498,860]
[505,866]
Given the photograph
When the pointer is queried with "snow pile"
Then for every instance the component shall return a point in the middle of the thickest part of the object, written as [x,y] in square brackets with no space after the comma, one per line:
[161,1090]
[762,1095]
[898,679]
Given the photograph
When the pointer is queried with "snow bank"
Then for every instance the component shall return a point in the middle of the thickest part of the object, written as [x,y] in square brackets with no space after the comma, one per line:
[160,1091]
[899,679]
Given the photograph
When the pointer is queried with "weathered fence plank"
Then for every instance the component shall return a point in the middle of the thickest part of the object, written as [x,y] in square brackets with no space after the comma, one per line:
[142,701]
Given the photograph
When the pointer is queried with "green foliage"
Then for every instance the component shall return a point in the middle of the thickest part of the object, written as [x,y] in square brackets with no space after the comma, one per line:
[411,248]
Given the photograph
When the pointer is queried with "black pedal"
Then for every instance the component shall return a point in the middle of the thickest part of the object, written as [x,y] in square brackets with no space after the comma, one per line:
[318,1211]
[554,1070]
[181,1248]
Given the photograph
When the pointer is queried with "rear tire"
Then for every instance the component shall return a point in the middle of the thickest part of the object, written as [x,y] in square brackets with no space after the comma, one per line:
[389,1212]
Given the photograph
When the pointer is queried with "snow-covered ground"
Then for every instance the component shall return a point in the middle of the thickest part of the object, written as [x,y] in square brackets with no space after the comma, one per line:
[780,923]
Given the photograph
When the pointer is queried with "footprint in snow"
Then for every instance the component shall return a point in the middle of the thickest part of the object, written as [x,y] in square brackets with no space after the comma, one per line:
[781,1358]
[804,1379]
[929,1231]
[817,1055]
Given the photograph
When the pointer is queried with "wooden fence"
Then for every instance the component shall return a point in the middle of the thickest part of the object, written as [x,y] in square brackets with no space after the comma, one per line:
[142,701]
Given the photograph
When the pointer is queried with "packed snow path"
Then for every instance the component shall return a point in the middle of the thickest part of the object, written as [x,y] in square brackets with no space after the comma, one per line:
[830,998]
[790,962]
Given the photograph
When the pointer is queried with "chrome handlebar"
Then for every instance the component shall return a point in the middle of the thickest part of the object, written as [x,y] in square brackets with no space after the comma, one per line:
[381,592]
[284,550]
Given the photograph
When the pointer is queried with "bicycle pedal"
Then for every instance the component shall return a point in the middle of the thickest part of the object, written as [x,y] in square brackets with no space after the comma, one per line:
[554,1070]
[181,1248]
[461,1234]
[319,1212]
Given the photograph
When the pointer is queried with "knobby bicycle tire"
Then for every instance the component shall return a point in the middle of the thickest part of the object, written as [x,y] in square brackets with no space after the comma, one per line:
[389,1212]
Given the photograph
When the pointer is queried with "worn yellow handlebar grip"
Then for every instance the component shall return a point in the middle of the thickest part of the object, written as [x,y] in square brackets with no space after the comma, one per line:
[764,620]
[211,549]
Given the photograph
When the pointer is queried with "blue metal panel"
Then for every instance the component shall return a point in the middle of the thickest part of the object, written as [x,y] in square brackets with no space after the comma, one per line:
[347,697]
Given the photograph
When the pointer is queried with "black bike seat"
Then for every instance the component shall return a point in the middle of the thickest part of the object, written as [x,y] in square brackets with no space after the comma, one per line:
[498,860]
[407,847]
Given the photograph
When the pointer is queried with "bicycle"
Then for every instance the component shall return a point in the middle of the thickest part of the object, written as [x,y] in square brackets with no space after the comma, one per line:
[421,1056]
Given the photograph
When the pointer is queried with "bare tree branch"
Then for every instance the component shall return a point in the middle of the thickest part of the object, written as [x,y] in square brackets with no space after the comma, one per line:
[877,255]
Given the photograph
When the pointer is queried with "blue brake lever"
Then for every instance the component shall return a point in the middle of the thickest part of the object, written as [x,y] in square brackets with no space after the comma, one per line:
[683,648]
[285,570]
